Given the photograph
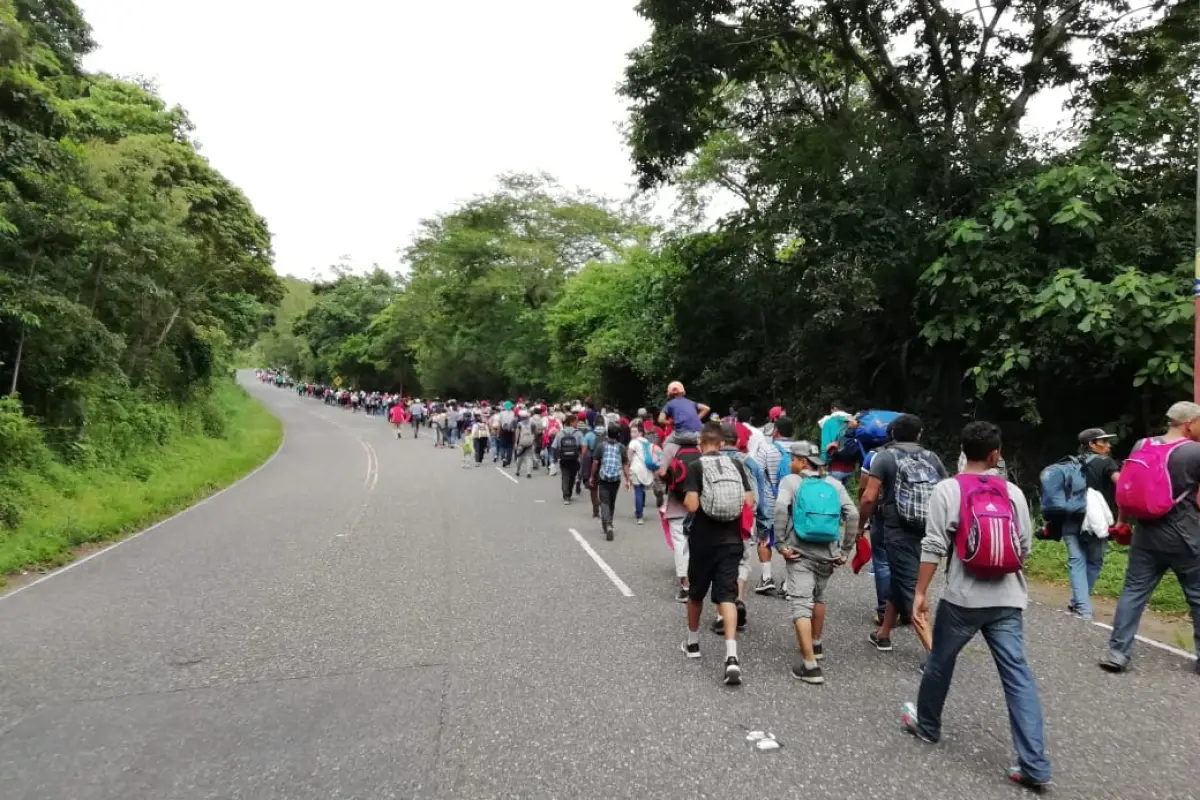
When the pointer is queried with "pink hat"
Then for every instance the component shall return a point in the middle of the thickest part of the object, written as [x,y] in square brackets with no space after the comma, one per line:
[775,413]
[675,387]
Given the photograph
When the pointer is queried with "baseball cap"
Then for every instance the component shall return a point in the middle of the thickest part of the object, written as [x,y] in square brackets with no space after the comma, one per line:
[1094,434]
[675,387]
[807,450]
[642,412]
[1182,412]
[775,413]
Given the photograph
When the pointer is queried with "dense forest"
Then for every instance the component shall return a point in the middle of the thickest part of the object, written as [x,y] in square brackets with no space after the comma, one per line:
[131,272]
[126,261]
[902,237]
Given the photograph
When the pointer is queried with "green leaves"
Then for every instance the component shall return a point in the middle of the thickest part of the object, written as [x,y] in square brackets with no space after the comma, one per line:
[125,259]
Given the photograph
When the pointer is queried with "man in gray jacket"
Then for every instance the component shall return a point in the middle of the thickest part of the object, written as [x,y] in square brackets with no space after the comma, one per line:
[810,563]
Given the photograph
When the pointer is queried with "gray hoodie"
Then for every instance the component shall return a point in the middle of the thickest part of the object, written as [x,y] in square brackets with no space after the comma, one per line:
[785,534]
[962,588]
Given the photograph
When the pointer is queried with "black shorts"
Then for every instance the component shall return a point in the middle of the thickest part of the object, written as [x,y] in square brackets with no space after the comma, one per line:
[716,567]
[904,561]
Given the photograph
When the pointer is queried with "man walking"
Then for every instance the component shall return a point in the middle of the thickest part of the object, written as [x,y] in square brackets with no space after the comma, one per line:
[1167,532]
[568,444]
[609,463]
[980,518]
[715,494]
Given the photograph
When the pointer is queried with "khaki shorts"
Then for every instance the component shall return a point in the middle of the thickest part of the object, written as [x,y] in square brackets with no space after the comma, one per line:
[806,585]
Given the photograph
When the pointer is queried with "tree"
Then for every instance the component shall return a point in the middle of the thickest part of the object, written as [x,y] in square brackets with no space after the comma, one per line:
[126,260]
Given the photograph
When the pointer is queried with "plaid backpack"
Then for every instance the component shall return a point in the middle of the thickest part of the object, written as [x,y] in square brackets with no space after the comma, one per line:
[916,475]
[610,461]
[722,495]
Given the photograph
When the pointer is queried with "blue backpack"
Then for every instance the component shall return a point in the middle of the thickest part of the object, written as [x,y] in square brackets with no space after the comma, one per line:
[832,430]
[872,430]
[785,465]
[817,511]
[651,455]
[1064,490]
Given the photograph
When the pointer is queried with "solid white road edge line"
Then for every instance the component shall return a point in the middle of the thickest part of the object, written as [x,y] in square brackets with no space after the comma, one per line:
[504,472]
[602,564]
[155,526]
[1151,642]
[1143,639]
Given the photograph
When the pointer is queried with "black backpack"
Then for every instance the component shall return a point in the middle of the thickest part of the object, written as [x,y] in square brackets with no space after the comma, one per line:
[568,447]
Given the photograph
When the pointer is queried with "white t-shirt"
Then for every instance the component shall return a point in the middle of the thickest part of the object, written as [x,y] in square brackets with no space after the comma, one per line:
[638,470]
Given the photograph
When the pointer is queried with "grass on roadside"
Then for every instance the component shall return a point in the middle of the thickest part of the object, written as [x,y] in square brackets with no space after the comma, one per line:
[66,506]
[1048,564]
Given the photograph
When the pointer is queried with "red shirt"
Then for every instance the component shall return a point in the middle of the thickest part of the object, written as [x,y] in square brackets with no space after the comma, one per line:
[650,429]
[743,433]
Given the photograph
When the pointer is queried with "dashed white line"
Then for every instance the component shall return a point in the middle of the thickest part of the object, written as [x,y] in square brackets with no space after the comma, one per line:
[622,587]
[504,472]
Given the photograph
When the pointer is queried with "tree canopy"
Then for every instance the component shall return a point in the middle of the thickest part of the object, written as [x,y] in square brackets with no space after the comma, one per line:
[126,260]
[903,236]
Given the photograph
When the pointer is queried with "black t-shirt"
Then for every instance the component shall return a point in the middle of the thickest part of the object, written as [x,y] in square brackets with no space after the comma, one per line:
[706,531]
[1177,531]
[1098,471]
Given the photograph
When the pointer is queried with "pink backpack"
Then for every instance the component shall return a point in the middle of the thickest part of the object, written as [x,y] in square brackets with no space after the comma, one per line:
[1144,488]
[988,541]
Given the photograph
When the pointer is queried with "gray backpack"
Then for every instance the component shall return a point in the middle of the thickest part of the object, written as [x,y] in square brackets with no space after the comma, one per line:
[722,494]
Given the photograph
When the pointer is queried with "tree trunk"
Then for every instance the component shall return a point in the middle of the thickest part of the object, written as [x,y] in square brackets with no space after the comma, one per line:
[96,287]
[37,255]
[162,337]
[17,365]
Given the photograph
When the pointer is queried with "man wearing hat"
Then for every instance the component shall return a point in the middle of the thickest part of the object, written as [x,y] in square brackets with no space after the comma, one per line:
[810,500]
[1085,550]
[1169,542]
[775,413]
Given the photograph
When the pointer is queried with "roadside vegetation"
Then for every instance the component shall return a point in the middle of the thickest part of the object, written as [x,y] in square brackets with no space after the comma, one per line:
[131,273]
[136,474]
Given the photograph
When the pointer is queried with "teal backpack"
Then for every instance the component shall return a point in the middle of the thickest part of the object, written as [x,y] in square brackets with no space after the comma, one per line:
[817,511]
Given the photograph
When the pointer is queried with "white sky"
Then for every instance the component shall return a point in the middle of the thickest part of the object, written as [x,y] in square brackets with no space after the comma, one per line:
[346,124]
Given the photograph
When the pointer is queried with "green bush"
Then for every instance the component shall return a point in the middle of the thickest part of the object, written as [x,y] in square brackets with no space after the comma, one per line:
[21,443]
[135,461]
[1048,563]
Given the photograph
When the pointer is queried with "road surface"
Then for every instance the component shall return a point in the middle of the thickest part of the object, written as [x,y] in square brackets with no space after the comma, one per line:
[363,618]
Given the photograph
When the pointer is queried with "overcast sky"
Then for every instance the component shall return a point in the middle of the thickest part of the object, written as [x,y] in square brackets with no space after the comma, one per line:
[346,124]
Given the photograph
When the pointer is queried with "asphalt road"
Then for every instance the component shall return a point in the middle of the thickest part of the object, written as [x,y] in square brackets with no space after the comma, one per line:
[363,618]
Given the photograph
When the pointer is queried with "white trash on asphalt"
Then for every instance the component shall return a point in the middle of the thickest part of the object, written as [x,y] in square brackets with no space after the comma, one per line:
[763,740]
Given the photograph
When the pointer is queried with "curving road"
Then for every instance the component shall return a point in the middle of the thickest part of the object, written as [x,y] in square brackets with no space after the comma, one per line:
[363,618]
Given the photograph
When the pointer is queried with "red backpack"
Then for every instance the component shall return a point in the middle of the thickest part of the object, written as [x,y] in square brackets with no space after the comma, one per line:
[988,541]
[677,470]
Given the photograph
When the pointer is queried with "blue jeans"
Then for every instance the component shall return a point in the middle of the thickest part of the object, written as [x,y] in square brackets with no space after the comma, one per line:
[1002,630]
[1145,569]
[882,570]
[1085,557]
[639,500]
